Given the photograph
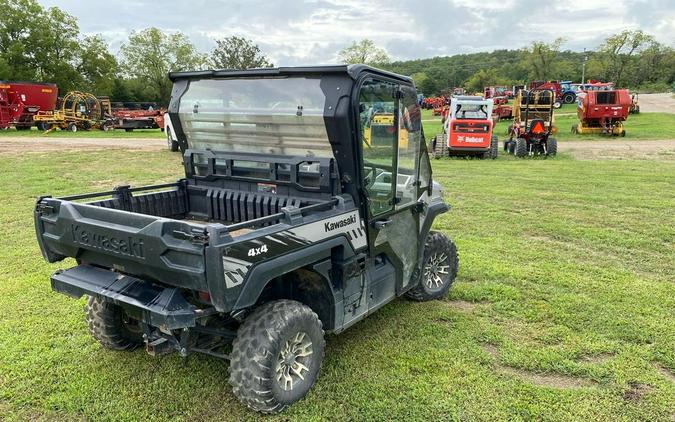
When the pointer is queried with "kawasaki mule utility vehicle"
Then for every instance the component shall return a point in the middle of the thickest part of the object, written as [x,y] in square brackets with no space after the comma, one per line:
[288,224]
[467,130]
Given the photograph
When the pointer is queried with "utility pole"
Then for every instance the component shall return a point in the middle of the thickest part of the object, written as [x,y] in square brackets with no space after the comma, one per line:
[583,68]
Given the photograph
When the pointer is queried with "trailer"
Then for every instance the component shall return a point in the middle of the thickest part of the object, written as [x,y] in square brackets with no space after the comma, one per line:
[20,101]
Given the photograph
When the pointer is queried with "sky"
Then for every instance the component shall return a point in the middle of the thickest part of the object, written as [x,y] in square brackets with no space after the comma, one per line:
[312,32]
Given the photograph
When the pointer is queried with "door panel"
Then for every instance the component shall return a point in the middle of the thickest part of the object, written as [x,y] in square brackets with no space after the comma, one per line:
[391,134]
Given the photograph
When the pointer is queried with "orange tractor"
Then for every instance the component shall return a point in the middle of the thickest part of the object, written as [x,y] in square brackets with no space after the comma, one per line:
[467,129]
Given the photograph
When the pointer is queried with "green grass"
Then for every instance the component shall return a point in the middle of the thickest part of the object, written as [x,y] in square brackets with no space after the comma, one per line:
[566,277]
[117,133]
[642,126]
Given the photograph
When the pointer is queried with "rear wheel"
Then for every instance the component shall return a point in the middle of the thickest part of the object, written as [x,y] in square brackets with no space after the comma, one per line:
[128,129]
[520,148]
[569,98]
[276,356]
[111,326]
[551,146]
[439,268]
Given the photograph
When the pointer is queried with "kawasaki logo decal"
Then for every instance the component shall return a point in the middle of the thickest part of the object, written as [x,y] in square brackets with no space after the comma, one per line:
[127,245]
[333,225]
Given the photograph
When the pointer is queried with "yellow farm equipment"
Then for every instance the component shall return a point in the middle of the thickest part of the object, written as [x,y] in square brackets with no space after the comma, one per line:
[77,111]
[380,130]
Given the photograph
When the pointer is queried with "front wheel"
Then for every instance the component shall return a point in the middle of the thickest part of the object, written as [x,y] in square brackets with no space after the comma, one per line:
[72,127]
[520,149]
[439,268]
[276,356]
[551,147]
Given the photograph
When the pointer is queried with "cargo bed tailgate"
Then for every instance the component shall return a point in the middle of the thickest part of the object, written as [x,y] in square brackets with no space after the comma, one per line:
[153,248]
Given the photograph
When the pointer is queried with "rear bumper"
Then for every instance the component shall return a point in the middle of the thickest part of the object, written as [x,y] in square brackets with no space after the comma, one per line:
[162,307]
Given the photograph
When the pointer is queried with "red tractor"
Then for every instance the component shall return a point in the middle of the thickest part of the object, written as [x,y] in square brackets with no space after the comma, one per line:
[20,101]
[603,112]
[533,125]
[467,129]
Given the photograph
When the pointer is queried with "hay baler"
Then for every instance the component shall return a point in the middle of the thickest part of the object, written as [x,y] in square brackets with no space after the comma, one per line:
[603,112]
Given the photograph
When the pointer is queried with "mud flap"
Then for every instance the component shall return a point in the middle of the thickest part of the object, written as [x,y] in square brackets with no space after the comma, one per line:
[163,307]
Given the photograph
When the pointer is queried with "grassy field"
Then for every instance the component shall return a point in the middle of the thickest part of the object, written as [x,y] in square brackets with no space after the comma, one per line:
[117,133]
[638,126]
[562,310]
[641,126]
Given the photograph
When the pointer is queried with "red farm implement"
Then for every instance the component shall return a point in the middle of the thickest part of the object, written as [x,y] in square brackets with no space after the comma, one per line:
[603,112]
[130,116]
[501,109]
[20,101]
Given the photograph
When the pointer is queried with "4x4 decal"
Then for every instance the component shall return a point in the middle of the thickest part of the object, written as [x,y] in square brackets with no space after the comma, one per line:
[257,251]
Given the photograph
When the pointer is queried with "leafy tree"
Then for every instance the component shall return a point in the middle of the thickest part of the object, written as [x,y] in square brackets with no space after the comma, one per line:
[237,53]
[18,20]
[364,51]
[150,55]
[483,78]
[617,55]
[97,66]
[540,59]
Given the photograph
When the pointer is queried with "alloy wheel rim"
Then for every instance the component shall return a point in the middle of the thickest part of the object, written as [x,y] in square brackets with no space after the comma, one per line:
[436,270]
[293,361]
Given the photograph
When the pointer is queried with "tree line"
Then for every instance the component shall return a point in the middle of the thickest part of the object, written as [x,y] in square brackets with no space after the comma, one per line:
[45,44]
[630,59]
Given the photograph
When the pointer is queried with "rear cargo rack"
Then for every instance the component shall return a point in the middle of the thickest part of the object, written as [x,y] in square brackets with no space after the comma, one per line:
[118,189]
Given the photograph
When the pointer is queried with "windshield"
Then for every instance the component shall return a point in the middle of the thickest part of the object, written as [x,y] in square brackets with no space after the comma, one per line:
[471,111]
[256,115]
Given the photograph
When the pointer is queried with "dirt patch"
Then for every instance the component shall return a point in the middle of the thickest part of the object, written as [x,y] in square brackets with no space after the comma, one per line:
[22,145]
[545,379]
[636,391]
[661,103]
[491,350]
[619,149]
[462,305]
[540,379]
[667,373]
